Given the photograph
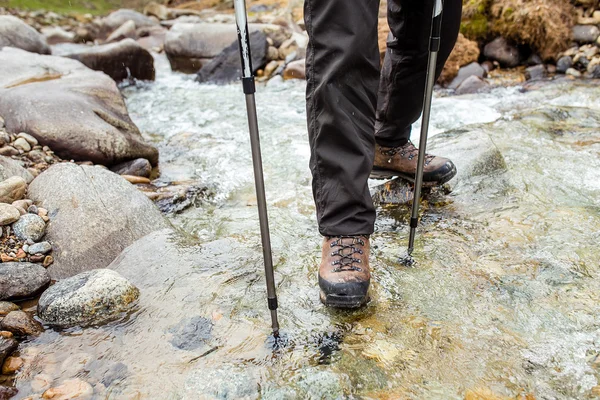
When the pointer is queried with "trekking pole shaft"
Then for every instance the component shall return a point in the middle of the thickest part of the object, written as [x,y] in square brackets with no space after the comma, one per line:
[434,47]
[249,90]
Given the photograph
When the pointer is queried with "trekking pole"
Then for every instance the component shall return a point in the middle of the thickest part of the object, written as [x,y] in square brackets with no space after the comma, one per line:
[434,48]
[249,90]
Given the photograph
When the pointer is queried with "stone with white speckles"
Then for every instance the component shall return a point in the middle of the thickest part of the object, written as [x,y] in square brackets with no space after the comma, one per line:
[90,298]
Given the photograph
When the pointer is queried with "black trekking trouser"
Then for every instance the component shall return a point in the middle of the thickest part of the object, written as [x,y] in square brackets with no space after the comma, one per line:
[351,105]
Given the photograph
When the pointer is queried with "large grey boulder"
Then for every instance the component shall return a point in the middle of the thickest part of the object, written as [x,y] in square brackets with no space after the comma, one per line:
[189,46]
[20,280]
[226,66]
[16,33]
[90,298]
[76,111]
[121,60]
[94,214]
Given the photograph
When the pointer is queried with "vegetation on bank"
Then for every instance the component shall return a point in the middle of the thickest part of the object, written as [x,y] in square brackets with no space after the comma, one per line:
[98,7]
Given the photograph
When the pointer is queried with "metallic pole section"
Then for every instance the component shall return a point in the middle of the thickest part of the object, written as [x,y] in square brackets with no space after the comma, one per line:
[434,47]
[249,90]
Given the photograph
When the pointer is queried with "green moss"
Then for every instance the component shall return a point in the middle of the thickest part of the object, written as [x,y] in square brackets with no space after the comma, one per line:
[476,28]
[65,6]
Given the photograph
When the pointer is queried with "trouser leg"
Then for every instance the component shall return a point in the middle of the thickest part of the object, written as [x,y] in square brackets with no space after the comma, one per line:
[342,67]
[402,86]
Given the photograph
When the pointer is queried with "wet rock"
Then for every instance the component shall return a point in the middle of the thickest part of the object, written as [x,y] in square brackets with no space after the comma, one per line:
[563,64]
[39,248]
[116,19]
[70,389]
[473,69]
[535,72]
[7,347]
[295,70]
[393,192]
[534,59]
[585,33]
[78,112]
[10,167]
[8,214]
[226,66]
[7,392]
[122,60]
[90,298]
[137,167]
[190,46]
[95,216]
[12,365]
[503,52]
[12,189]
[472,84]
[125,31]
[30,227]
[6,307]
[464,53]
[20,280]
[21,324]
[223,383]
[16,33]
[56,35]
[321,384]
[192,333]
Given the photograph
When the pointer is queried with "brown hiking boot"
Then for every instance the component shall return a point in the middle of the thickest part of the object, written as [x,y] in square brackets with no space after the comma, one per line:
[344,275]
[402,161]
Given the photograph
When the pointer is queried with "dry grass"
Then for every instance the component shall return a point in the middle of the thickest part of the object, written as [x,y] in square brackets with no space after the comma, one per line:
[544,25]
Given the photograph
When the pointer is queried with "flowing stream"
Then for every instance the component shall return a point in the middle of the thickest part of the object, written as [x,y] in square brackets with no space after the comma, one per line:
[504,299]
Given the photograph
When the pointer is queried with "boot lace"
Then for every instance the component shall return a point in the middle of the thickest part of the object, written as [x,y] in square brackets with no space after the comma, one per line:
[346,252]
[408,149]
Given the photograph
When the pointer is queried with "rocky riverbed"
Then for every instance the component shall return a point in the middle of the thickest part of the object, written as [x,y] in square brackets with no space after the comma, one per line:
[130,209]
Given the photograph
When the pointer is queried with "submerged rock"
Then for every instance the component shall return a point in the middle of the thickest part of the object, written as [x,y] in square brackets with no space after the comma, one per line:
[70,389]
[226,67]
[19,280]
[192,333]
[121,60]
[223,383]
[21,324]
[95,215]
[16,33]
[76,111]
[90,298]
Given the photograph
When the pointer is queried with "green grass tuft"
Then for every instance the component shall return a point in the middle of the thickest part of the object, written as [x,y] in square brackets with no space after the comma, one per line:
[65,6]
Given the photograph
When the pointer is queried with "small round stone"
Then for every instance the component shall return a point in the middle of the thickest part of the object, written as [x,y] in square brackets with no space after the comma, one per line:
[30,227]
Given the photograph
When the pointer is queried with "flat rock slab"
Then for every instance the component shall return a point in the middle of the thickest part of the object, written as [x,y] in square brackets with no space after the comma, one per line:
[16,33]
[90,298]
[94,215]
[121,60]
[19,280]
[226,67]
[76,111]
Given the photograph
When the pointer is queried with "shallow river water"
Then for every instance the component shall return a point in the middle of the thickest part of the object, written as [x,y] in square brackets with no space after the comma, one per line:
[503,302]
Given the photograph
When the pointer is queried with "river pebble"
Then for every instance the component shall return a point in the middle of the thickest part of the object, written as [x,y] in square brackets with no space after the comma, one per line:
[39,248]
[21,324]
[12,365]
[6,307]
[32,209]
[12,189]
[22,144]
[8,214]
[30,226]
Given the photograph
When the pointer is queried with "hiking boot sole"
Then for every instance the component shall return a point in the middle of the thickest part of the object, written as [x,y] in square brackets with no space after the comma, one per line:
[343,301]
[380,173]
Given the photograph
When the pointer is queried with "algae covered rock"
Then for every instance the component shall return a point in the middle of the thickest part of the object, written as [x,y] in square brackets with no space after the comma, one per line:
[92,297]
